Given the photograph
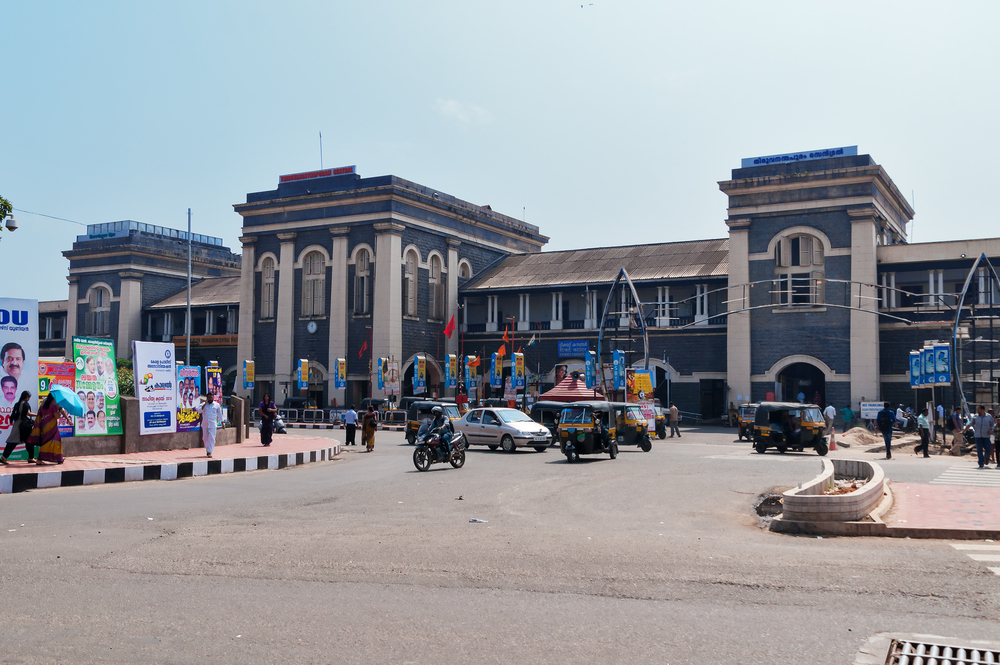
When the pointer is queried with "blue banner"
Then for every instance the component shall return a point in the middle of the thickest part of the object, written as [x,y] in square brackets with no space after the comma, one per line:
[451,371]
[928,376]
[303,374]
[942,363]
[340,374]
[496,372]
[590,368]
[382,371]
[573,348]
[618,370]
[916,369]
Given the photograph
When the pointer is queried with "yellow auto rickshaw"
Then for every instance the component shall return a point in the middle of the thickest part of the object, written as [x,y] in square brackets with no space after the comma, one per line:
[587,428]
[785,425]
[632,426]
[418,412]
[744,421]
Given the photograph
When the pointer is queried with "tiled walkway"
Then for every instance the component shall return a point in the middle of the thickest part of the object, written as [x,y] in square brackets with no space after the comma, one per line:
[944,507]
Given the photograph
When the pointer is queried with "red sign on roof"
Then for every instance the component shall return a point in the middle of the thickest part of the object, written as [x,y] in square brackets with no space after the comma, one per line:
[323,173]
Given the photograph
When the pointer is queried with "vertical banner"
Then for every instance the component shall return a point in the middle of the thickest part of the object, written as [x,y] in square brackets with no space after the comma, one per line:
[96,383]
[339,373]
[590,368]
[466,372]
[942,364]
[518,370]
[496,372]
[18,355]
[419,375]
[392,380]
[303,374]
[213,381]
[156,389]
[618,370]
[382,369]
[452,371]
[916,369]
[58,374]
[188,397]
[638,385]
[248,375]
[928,376]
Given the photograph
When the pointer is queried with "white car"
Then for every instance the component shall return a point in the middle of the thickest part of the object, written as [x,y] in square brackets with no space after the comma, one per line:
[502,428]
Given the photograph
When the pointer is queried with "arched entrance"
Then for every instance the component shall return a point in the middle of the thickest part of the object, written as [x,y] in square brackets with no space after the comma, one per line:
[434,379]
[805,379]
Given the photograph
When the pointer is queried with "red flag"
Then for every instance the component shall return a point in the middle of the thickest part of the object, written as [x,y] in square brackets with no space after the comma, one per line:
[474,362]
[519,349]
[364,347]
[506,339]
[502,351]
[450,328]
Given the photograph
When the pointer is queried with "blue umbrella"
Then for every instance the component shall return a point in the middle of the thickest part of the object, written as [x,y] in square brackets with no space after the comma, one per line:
[67,399]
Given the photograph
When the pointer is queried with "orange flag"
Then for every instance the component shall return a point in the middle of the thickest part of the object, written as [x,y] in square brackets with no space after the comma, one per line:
[506,338]
[502,351]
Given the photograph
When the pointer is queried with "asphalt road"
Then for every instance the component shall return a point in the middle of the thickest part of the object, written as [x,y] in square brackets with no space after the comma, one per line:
[653,557]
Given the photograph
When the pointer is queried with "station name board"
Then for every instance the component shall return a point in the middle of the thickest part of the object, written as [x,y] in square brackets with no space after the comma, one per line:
[322,173]
[848,151]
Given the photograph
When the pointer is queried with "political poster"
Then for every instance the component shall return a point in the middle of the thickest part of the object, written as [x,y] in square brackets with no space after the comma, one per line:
[339,373]
[188,397]
[942,364]
[916,369]
[96,383]
[248,375]
[518,370]
[509,391]
[59,374]
[155,386]
[618,370]
[213,381]
[392,380]
[18,355]
[419,375]
[303,374]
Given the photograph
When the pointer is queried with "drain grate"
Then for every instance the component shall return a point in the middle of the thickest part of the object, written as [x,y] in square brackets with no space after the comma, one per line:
[912,652]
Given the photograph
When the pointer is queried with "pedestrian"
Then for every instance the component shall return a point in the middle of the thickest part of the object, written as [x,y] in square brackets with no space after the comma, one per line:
[940,424]
[732,414]
[211,419]
[268,411]
[924,426]
[829,413]
[369,423]
[992,452]
[20,428]
[45,433]
[351,425]
[982,424]
[674,416]
[957,431]
[884,421]
[900,417]
[801,397]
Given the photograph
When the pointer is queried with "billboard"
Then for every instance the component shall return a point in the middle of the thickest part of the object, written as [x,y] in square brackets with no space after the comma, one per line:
[451,371]
[339,373]
[927,372]
[496,372]
[916,369]
[618,370]
[96,382]
[213,382]
[188,397]
[248,375]
[518,370]
[638,385]
[419,375]
[942,364]
[18,355]
[60,374]
[303,374]
[155,386]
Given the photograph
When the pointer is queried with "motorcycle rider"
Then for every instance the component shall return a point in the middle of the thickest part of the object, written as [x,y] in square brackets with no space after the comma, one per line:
[442,425]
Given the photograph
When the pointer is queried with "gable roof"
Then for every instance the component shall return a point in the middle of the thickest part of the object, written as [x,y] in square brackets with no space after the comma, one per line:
[207,292]
[600,265]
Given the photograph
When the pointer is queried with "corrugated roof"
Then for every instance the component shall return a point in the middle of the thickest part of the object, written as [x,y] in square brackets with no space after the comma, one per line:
[669,260]
[212,291]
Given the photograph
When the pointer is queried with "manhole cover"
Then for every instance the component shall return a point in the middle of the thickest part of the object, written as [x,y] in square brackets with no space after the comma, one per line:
[913,652]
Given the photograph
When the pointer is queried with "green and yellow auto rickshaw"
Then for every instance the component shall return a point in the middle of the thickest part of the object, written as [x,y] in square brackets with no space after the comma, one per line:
[588,428]
[632,426]
[785,425]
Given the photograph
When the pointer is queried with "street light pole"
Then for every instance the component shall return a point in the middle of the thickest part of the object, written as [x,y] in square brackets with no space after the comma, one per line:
[188,326]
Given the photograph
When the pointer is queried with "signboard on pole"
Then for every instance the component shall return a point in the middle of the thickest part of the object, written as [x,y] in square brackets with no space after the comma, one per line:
[942,364]
[927,373]
[380,374]
[303,374]
[869,410]
[638,385]
[618,370]
[339,374]
[188,397]
[96,382]
[19,355]
[451,371]
[916,369]
[155,388]
[392,382]
[49,374]
[518,370]
[496,372]
[213,382]
[419,375]
[590,369]
[248,375]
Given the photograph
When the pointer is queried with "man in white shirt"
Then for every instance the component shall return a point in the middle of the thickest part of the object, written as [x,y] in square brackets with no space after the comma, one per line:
[211,418]
[940,422]
[829,413]
[351,425]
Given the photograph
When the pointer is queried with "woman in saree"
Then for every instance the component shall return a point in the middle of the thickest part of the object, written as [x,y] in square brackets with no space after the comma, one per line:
[369,423]
[45,434]
[267,411]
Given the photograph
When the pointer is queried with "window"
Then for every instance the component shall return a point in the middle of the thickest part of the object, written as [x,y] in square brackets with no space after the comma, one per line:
[798,262]
[474,416]
[464,271]
[267,289]
[436,309]
[362,277]
[490,419]
[232,321]
[410,284]
[99,312]
[313,284]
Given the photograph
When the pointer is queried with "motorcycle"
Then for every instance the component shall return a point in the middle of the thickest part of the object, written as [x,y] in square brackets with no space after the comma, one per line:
[432,450]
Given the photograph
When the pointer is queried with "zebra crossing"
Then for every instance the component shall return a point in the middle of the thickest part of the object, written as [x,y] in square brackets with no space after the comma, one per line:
[961,474]
[986,554]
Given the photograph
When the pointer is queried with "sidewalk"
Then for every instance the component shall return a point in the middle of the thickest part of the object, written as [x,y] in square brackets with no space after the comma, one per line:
[285,451]
[944,511]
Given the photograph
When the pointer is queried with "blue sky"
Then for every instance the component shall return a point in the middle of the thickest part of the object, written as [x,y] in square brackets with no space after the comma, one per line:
[609,123]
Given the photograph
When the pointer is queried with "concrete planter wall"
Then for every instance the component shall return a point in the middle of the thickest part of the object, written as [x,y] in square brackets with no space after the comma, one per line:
[808,503]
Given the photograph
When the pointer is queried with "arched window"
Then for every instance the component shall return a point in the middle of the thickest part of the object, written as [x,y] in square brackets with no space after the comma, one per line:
[267,289]
[362,279]
[99,312]
[436,284]
[410,284]
[464,271]
[313,284]
[798,271]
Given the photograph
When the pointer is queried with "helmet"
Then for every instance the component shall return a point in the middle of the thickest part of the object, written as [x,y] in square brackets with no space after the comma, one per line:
[437,410]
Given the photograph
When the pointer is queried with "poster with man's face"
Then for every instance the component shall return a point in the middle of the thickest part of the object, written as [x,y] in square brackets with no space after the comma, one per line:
[96,384]
[18,358]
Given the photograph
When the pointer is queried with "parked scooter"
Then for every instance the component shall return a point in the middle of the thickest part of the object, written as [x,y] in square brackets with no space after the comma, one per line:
[431,449]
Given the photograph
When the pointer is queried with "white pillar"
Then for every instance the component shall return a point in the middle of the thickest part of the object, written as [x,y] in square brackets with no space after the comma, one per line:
[892,290]
[737,325]
[883,281]
[129,312]
[284,331]
[940,290]
[865,379]
[931,289]
[387,312]
[339,311]
[71,308]
[244,340]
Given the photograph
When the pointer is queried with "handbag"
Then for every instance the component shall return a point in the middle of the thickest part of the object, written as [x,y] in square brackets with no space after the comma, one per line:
[24,422]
